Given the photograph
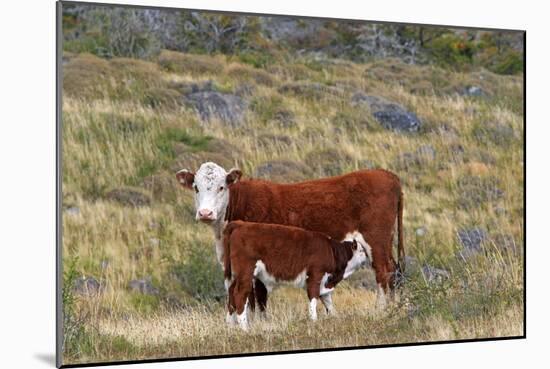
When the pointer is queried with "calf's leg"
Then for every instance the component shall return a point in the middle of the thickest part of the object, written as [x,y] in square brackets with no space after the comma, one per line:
[241,296]
[313,290]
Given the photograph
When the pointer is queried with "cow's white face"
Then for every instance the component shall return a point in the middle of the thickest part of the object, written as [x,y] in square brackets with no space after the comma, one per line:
[359,258]
[211,186]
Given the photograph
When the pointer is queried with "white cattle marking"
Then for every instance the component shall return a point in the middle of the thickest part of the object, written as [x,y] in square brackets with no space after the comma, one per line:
[242,318]
[231,319]
[313,309]
[270,282]
[355,235]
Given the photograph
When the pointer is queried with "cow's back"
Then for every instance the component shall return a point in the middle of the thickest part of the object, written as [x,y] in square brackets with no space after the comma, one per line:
[335,205]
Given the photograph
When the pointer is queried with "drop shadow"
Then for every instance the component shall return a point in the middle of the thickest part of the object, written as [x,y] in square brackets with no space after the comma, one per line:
[46,358]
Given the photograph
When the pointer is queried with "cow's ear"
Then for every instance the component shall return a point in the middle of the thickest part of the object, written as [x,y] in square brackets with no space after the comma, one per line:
[186,178]
[233,176]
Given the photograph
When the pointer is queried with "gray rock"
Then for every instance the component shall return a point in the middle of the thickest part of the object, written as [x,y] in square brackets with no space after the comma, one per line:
[144,286]
[421,231]
[389,114]
[228,108]
[87,286]
[472,241]
[72,210]
[435,275]
[474,91]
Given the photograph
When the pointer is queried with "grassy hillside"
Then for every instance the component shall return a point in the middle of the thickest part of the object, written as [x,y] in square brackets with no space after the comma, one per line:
[140,275]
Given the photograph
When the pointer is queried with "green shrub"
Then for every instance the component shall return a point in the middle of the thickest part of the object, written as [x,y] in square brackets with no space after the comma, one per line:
[74,334]
[451,51]
[201,276]
[267,107]
[145,304]
[257,59]
[509,63]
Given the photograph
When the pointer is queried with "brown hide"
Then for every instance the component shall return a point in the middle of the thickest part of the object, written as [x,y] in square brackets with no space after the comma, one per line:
[285,250]
[368,201]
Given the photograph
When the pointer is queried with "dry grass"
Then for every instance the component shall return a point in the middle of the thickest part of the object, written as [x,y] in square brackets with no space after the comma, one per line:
[114,137]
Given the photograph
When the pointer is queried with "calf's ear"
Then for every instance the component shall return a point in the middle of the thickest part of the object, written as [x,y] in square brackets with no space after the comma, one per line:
[233,176]
[186,178]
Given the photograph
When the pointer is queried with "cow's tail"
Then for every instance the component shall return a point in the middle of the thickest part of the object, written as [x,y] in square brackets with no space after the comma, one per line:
[400,244]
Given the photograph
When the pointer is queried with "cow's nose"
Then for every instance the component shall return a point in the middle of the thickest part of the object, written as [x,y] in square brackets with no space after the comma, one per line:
[205,213]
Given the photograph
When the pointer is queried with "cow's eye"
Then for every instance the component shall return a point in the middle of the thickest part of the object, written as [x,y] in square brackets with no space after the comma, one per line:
[196,189]
[221,188]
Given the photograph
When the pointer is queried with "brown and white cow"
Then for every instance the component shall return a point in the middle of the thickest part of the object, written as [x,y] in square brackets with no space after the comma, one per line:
[274,254]
[363,205]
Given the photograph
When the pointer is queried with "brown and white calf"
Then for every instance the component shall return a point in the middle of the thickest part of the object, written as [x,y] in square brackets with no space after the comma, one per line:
[274,254]
[364,205]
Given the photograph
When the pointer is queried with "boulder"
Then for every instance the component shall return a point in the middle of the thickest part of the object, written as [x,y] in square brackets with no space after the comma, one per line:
[228,108]
[389,114]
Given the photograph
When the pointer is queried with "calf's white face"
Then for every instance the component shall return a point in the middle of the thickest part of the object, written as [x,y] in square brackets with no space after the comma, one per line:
[211,186]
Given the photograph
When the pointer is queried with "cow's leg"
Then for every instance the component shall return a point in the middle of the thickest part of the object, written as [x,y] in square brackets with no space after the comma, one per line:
[313,290]
[326,299]
[261,296]
[241,296]
[378,234]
